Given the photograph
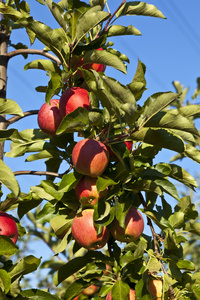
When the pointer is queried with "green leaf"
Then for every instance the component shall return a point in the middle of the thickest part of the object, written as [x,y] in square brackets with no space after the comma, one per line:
[138,84]
[159,137]
[192,153]
[120,290]
[7,247]
[5,281]
[38,295]
[144,185]
[74,121]
[61,224]
[153,265]
[77,264]
[69,181]
[177,220]
[8,179]
[193,227]
[58,13]
[27,265]
[117,30]
[185,265]
[105,58]
[167,187]
[183,176]
[140,9]
[104,182]
[10,107]
[46,213]
[43,64]
[154,104]
[168,120]
[52,189]
[89,20]
[54,86]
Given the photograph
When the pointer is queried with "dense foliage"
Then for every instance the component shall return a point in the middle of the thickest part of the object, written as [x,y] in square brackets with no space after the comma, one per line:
[116,114]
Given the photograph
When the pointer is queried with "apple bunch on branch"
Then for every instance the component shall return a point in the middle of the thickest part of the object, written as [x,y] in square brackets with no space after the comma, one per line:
[111,190]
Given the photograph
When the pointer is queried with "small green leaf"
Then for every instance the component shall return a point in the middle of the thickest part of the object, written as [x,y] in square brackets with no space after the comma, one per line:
[120,290]
[185,265]
[177,220]
[7,247]
[5,281]
[74,121]
[43,64]
[10,107]
[35,294]
[116,30]
[54,86]
[8,179]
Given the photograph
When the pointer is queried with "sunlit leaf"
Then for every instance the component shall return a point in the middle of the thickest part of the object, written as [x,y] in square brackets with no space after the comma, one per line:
[117,30]
[10,107]
[8,179]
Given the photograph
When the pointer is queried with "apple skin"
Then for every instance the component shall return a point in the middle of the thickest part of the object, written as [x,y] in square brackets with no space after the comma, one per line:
[87,188]
[84,231]
[73,98]
[8,226]
[131,295]
[49,117]
[93,66]
[90,290]
[90,157]
[134,226]
[155,288]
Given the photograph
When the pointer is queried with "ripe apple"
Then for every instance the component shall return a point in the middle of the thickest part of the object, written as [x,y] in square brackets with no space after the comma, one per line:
[90,157]
[87,188]
[8,226]
[94,66]
[84,231]
[90,290]
[49,117]
[73,98]
[131,295]
[134,226]
[155,288]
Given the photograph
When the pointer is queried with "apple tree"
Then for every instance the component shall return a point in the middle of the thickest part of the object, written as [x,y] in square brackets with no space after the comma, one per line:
[93,214]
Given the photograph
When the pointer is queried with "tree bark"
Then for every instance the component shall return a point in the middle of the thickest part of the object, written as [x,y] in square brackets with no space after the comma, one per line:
[3,80]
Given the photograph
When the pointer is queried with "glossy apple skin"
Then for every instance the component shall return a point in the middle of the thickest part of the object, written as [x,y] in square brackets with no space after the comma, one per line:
[87,188]
[73,98]
[84,231]
[8,226]
[131,295]
[90,290]
[155,288]
[49,117]
[134,226]
[90,157]
[93,66]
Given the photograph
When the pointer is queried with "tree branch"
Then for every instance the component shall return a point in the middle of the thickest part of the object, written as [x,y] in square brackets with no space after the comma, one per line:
[38,173]
[17,118]
[34,51]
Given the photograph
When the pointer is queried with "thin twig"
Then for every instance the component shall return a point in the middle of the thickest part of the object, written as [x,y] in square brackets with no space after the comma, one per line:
[34,51]
[28,172]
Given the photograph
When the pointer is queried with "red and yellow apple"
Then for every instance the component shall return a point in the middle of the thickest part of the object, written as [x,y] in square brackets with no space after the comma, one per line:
[84,231]
[131,295]
[134,226]
[49,117]
[87,188]
[88,66]
[72,98]
[90,157]
[155,288]
[90,290]
[8,226]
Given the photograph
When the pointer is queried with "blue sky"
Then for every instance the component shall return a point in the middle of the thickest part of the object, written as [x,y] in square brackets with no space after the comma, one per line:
[170,49]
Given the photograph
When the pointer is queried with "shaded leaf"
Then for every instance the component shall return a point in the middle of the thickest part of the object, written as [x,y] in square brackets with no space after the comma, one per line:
[38,295]
[5,281]
[7,247]
[10,107]
[43,64]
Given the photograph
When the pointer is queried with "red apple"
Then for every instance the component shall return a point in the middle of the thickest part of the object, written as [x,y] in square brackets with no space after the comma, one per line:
[8,226]
[155,288]
[87,188]
[134,226]
[90,290]
[93,66]
[73,98]
[90,157]
[131,295]
[84,231]
[49,117]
